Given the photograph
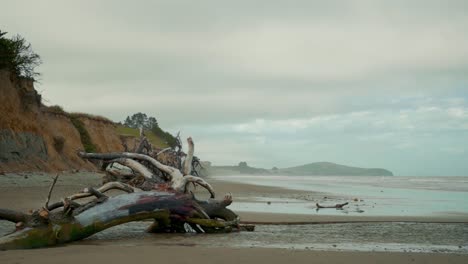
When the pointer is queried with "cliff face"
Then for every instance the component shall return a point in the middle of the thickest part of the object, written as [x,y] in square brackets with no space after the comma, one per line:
[34,138]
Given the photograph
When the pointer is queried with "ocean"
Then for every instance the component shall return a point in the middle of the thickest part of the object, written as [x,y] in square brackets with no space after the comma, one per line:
[368,195]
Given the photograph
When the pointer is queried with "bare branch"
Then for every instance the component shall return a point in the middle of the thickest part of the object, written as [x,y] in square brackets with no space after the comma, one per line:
[162,151]
[193,179]
[115,155]
[104,188]
[50,191]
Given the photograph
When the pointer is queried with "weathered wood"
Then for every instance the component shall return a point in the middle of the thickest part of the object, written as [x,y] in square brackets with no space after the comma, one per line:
[116,155]
[177,180]
[50,190]
[59,228]
[12,216]
[144,143]
[337,206]
[189,157]
[135,166]
[162,151]
[166,200]
[85,193]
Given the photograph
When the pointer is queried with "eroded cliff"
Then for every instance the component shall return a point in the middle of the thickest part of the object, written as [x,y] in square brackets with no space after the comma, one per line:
[34,137]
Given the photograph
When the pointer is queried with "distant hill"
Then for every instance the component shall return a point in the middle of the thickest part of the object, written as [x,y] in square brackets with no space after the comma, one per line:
[329,168]
[242,168]
[316,168]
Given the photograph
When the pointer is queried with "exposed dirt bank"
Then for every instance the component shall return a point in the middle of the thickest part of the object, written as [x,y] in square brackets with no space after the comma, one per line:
[34,137]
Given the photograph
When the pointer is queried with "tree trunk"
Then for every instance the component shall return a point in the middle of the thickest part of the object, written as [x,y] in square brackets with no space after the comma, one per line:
[169,209]
[165,199]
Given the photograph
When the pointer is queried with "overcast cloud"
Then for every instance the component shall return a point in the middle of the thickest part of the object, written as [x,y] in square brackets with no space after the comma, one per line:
[273,83]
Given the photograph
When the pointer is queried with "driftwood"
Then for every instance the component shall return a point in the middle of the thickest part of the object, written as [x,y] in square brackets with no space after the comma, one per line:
[167,200]
[337,206]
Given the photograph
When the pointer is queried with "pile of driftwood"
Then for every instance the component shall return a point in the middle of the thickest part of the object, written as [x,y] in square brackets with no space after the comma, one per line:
[152,190]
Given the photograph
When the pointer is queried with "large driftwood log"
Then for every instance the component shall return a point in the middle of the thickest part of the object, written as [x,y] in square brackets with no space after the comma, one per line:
[176,179]
[168,202]
[171,212]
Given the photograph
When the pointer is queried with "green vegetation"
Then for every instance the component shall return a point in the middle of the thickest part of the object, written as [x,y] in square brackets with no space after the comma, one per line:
[90,116]
[141,120]
[55,109]
[17,56]
[156,136]
[84,135]
[58,110]
[167,137]
[150,123]
[153,139]
[332,169]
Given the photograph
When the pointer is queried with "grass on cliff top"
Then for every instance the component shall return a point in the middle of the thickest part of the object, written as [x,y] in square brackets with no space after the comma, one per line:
[153,139]
[57,109]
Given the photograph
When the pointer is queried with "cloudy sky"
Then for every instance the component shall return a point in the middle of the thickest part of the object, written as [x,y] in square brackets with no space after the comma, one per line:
[274,83]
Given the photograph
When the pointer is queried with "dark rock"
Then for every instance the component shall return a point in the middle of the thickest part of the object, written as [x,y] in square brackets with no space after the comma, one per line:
[16,146]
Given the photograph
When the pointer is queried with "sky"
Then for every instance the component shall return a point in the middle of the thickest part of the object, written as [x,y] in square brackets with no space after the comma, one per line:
[273,83]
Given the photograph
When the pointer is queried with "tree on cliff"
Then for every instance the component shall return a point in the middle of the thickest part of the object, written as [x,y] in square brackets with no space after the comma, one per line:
[150,123]
[141,120]
[17,56]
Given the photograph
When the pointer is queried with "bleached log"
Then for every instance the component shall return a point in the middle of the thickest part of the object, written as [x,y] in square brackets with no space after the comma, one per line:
[164,207]
[116,155]
[135,166]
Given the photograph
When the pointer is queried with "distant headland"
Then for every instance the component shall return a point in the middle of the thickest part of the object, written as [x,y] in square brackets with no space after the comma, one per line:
[310,169]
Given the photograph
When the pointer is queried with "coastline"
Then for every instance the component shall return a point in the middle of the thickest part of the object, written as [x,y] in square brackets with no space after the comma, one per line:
[249,192]
[27,191]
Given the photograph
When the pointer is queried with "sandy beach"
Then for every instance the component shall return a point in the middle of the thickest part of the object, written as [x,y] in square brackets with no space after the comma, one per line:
[28,191]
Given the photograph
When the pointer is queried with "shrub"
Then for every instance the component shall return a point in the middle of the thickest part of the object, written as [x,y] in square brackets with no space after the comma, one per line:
[166,136]
[92,117]
[17,56]
[142,120]
[84,135]
[55,109]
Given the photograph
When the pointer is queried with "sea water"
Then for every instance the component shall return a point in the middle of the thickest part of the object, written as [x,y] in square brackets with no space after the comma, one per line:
[413,196]
[368,195]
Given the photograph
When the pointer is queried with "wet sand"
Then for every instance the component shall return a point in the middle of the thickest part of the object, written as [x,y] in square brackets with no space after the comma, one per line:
[24,192]
[190,254]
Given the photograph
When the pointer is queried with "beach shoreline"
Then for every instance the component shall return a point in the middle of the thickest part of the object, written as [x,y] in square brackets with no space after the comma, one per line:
[28,191]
